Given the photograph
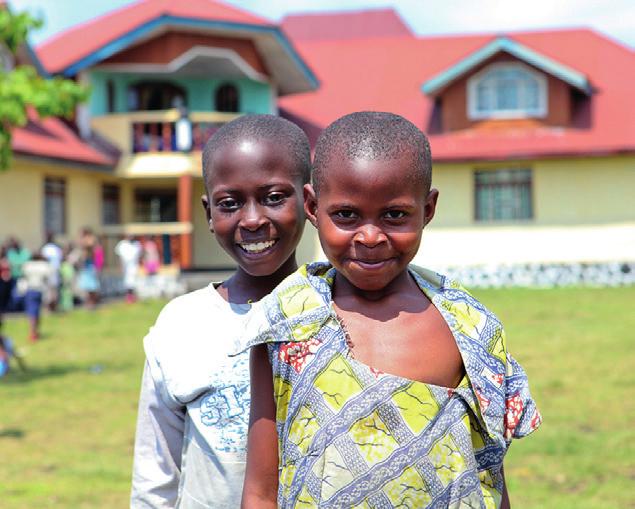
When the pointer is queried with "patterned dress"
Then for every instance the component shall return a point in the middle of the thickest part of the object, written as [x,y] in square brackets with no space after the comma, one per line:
[351,436]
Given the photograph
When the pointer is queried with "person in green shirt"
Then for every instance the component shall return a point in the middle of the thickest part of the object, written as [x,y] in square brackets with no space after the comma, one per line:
[17,255]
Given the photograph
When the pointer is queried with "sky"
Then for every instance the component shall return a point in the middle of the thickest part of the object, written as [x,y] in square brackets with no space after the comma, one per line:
[615,18]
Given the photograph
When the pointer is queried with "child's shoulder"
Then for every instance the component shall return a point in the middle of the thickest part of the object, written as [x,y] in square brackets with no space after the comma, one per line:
[197,303]
[309,284]
[448,288]
[190,341]
[296,308]
[191,320]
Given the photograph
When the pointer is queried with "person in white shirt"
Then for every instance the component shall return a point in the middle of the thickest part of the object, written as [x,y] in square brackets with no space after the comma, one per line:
[37,275]
[54,254]
[129,251]
[190,446]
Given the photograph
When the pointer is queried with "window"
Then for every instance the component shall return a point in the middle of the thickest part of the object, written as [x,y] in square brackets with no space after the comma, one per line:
[110,96]
[508,90]
[155,205]
[54,206]
[155,95]
[503,195]
[226,98]
[110,204]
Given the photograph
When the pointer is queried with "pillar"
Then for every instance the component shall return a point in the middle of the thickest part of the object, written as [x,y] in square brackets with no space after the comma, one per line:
[184,204]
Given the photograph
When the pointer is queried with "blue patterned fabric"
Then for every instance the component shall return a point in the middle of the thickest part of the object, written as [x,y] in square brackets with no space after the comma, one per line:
[351,436]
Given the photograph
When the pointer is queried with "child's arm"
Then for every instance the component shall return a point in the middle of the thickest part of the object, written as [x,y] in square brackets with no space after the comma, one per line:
[157,452]
[505,497]
[261,476]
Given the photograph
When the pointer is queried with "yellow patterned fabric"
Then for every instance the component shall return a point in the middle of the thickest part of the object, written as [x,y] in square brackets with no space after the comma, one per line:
[351,436]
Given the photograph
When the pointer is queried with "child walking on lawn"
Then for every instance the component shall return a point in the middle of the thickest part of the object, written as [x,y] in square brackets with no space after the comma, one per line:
[193,411]
[392,386]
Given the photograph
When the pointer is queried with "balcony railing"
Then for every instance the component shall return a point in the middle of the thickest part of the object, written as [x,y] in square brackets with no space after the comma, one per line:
[156,131]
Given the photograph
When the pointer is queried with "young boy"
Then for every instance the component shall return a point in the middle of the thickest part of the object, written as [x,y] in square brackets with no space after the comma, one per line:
[194,405]
[392,385]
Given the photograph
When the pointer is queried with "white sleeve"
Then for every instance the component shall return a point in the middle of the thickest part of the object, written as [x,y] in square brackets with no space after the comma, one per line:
[157,452]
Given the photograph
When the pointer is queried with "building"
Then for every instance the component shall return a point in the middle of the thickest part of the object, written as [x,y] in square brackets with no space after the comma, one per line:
[532,133]
[532,136]
[163,77]
[56,176]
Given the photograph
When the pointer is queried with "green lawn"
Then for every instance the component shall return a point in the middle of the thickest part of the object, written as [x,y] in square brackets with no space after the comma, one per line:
[67,426]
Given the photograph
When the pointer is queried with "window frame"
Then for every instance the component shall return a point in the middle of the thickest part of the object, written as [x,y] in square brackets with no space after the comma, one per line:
[147,195]
[479,186]
[111,96]
[221,104]
[110,194]
[55,193]
[472,94]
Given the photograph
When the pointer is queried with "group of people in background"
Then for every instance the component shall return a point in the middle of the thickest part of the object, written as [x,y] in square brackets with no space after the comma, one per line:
[50,276]
[60,276]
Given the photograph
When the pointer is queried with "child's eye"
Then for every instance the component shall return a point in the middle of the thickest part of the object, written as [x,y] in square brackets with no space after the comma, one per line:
[344,214]
[274,198]
[228,204]
[395,214]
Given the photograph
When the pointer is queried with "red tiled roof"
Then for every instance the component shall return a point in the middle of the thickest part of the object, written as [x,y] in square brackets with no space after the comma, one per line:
[345,25]
[386,74]
[52,138]
[71,45]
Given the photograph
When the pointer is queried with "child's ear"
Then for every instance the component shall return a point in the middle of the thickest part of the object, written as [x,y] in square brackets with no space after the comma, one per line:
[430,206]
[310,204]
[208,212]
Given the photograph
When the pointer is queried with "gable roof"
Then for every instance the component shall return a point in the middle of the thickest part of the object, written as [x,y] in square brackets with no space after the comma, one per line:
[386,74]
[438,83]
[89,43]
[345,25]
[52,138]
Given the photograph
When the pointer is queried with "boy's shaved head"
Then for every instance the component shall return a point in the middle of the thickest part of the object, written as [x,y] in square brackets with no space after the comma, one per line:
[285,134]
[373,135]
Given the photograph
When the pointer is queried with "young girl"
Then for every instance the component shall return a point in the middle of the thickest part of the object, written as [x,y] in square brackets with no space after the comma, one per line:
[392,386]
[194,404]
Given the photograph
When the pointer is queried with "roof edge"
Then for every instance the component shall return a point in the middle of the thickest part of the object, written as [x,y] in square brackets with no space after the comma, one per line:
[125,40]
[574,78]
[295,56]
[66,161]
[540,155]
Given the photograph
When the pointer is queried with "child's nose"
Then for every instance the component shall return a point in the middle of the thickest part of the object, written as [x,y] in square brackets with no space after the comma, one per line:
[252,217]
[370,235]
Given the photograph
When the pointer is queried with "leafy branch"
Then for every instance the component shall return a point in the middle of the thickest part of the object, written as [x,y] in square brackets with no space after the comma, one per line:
[22,88]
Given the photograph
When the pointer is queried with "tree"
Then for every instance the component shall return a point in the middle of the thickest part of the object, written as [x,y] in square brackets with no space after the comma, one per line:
[22,88]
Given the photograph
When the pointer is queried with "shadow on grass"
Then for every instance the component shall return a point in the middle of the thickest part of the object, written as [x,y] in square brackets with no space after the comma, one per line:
[31,374]
[11,433]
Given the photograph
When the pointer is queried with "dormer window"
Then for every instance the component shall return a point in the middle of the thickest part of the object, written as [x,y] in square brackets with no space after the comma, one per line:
[506,90]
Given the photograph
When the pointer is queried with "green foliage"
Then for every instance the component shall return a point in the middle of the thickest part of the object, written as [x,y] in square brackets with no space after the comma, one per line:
[21,88]
[14,28]
[67,425]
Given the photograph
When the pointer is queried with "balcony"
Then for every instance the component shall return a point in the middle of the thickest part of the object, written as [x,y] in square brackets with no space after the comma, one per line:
[155,131]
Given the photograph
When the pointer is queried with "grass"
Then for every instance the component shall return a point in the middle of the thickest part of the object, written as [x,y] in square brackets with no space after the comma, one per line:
[67,425]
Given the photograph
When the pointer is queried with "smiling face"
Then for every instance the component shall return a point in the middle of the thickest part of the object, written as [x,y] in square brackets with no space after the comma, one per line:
[370,215]
[254,206]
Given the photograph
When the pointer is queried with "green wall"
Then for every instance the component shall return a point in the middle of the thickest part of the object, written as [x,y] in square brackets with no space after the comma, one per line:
[255,97]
